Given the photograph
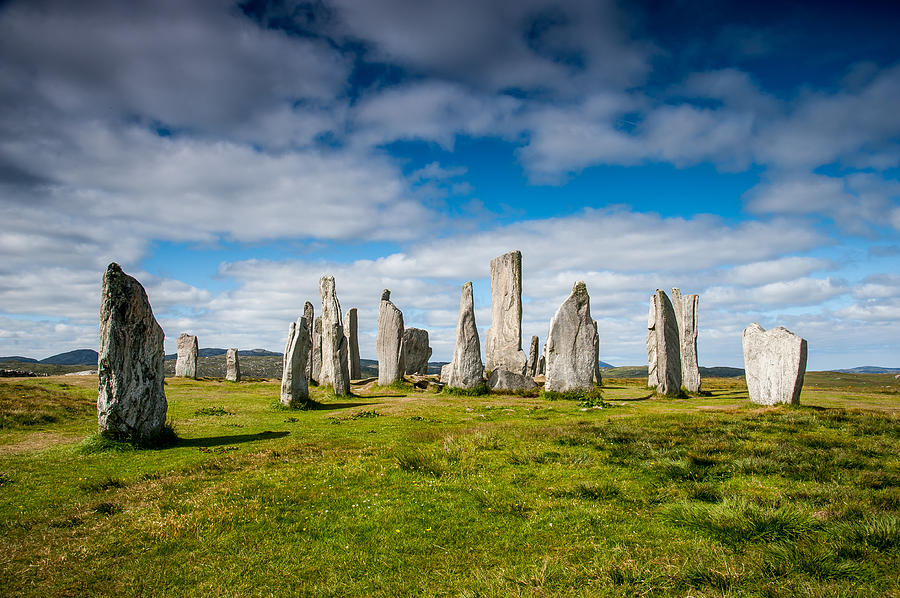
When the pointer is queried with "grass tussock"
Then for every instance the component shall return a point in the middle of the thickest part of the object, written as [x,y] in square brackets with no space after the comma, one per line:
[478,391]
[213,411]
[737,521]
[582,396]
[420,461]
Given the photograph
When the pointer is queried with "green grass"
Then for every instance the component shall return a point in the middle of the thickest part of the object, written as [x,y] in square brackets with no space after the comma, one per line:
[412,493]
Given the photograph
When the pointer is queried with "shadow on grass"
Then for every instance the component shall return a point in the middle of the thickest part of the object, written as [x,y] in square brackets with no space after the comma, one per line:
[649,396]
[232,439]
[334,406]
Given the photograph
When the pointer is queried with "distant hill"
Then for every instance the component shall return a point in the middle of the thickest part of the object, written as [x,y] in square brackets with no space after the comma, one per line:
[869,369]
[18,359]
[76,357]
[212,352]
[603,364]
[636,371]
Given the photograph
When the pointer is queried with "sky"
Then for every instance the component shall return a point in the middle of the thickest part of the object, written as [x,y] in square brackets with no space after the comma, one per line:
[229,154]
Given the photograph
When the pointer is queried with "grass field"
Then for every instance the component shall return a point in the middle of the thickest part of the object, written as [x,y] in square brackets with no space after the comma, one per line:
[410,493]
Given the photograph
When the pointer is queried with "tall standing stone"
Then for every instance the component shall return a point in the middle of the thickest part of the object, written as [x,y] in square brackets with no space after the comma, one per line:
[309,314]
[334,343]
[131,398]
[598,377]
[466,368]
[232,366]
[316,352]
[663,346]
[774,364]
[389,342]
[351,329]
[416,351]
[531,368]
[186,361]
[570,344]
[503,340]
[686,315]
[294,389]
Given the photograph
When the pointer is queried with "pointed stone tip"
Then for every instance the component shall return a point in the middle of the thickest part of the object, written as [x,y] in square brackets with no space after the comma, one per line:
[467,285]
[386,295]
[113,267]
[579,288]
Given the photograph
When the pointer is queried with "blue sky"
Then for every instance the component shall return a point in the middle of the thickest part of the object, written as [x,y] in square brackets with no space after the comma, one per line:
[229,154]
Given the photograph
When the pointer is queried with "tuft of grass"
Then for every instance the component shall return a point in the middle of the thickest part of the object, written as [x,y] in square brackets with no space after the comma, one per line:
[605,490]
[816,559]
[478,391]
[582,396]
[307,405]
[735,522]
[213,411]
[4,479]
[107,508]
[881,532]
[104,442]
[705,492]
[420,461]
[105,483]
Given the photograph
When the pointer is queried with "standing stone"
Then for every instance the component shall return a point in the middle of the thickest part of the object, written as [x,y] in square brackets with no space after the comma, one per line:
[416,351]
[232,366]
[503,340]
[598,377]
[686,315]
[466,369]
[774,364]
[186,362]
[570,344]
[309,314]
[294,389]
[542,366]
[334,343]
[131,398]
[445,373]
[316,352]
[531,368]
[351,330]
[389,342]
[663,346]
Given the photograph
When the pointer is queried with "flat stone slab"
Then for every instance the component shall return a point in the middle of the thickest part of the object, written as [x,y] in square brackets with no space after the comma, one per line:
[506,380]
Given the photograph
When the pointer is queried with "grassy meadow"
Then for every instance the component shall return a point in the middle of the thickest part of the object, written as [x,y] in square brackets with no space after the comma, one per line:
[403,492]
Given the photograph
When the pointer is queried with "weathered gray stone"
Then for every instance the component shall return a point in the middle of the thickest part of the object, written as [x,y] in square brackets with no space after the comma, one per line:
[467,370]
[389,342]
[351,331]
[445,373]
[598,377]
[309,314]
[663,346]
[503,380]
[531,368]
[131,398]
[774,364]
[232,365]
[294,388]
[542,366]
[416,351]
[570,344]
[503,340]
[686,314]
[186,361]
[334,343]
[316,352]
